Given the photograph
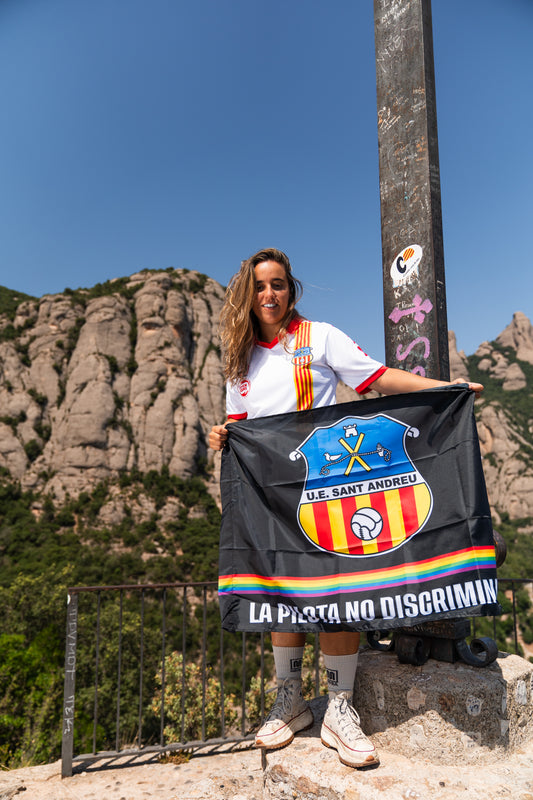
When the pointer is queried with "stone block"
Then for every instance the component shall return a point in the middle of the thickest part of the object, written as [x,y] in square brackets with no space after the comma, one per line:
[442,711]
[442,731]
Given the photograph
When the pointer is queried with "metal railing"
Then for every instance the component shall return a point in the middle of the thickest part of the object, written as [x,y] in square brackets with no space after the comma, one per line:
[120,642]
[147,623]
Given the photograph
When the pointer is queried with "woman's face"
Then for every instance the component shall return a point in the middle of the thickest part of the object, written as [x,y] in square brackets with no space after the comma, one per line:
[271,298]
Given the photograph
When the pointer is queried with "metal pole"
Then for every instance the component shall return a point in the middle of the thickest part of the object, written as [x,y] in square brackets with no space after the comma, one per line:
[119,670]
[67,742]
[163,672]
[141,672]
[416,329]
[95,709]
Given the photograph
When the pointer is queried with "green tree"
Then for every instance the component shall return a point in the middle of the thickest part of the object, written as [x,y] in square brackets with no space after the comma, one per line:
[32,630]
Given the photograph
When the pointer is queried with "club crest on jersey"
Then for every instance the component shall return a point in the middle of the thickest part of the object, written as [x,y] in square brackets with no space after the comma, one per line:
[362,494]
[302,356]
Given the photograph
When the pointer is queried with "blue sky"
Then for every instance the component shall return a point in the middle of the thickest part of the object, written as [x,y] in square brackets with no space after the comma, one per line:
[157,133]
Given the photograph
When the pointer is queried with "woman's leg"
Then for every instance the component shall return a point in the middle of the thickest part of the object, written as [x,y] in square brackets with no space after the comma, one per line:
[288,639]
[341,727]
[288,649]
[290,713]
[340,659]
[339,643]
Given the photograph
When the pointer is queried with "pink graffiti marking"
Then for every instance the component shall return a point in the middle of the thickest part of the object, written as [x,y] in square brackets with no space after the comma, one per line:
[419,310]
[401,356]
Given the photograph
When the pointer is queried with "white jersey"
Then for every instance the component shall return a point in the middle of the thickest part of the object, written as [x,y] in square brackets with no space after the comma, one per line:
[304,374]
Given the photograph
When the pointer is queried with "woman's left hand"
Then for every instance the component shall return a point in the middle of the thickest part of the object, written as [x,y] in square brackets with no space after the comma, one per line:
[474,387]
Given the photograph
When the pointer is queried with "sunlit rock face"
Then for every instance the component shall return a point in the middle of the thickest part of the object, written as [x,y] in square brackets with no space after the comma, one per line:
[93,386]
[128,375]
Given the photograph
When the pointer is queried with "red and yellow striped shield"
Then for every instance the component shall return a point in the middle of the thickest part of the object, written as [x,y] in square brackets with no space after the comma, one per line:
[363,495]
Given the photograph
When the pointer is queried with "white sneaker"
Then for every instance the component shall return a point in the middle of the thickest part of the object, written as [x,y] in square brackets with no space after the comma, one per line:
[289,714]
[341,730]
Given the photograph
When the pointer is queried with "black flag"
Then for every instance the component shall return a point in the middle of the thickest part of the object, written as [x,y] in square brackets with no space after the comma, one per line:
[361,516]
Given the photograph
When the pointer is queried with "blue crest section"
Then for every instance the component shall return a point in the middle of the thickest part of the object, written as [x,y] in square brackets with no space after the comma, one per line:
[356,449]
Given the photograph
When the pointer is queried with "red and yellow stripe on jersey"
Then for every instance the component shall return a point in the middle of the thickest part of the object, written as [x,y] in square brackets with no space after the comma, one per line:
[303,376]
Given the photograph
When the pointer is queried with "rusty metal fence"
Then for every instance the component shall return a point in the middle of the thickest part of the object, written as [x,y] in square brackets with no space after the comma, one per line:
[149,670]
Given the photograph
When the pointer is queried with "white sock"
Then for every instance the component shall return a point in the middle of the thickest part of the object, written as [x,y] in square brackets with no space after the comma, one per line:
[288,661]
[341,672]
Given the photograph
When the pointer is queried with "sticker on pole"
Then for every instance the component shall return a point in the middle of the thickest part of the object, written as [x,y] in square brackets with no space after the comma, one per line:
[405,265]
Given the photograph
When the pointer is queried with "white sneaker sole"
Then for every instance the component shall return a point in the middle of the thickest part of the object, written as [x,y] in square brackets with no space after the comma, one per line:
[348,755]
[284,735]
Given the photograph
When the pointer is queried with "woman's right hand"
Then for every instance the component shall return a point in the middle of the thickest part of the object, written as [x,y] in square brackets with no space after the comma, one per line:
[218,436]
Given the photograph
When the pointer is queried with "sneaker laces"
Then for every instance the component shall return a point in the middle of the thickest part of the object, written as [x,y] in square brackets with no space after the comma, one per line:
[283,702]
[349,718]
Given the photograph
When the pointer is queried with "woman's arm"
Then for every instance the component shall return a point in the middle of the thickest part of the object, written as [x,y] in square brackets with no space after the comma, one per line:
[398,381]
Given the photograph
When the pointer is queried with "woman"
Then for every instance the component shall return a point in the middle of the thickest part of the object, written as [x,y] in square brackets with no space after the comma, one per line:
[262,331]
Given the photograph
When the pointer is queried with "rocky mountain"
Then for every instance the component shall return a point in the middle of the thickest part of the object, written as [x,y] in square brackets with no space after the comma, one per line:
[504,414]
[127,375]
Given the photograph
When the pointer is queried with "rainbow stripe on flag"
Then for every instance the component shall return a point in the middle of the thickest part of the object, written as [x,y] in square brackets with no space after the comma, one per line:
[429,569]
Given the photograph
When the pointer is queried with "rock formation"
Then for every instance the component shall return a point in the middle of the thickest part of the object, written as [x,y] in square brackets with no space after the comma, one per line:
[504,414]
[127,375]
[94,385]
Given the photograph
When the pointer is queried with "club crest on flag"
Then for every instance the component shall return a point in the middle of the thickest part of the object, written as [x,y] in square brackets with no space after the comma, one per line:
[362,495]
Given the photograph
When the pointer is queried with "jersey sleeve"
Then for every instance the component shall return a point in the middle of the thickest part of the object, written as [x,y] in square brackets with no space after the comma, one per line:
[235,408]
[351,364]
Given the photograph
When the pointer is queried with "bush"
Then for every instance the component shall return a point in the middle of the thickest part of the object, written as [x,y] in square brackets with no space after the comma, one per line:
[32,449]
[191,724]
